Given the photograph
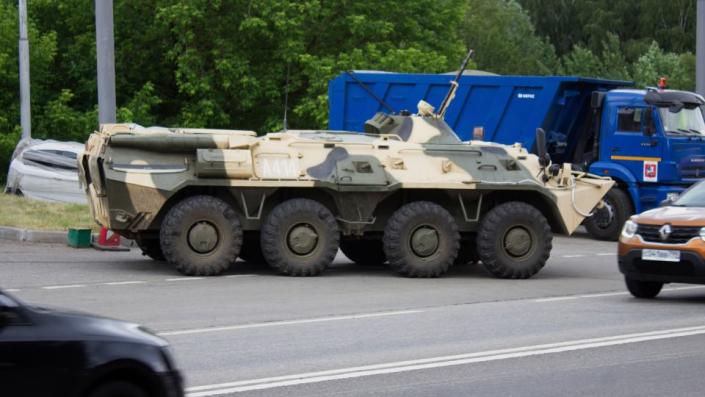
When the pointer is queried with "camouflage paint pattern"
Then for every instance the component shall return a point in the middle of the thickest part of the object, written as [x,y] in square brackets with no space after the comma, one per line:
[133,175]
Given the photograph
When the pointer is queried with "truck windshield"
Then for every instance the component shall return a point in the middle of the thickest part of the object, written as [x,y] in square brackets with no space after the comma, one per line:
[683,122]
[693,197]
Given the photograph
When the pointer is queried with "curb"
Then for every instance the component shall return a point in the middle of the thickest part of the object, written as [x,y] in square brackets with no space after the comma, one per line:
[43,236]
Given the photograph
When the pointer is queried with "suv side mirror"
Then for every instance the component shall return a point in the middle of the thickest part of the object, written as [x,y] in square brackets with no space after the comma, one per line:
[649,129]
[669,200]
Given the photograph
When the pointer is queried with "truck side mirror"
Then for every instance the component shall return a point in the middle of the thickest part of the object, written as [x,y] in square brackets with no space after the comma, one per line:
[649,129]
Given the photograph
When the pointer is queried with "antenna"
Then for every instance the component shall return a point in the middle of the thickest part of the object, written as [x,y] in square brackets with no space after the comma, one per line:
[286,96]
[369,91]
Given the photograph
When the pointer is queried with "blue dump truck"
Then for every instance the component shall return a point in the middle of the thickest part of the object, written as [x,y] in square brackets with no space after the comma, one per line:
[652,142]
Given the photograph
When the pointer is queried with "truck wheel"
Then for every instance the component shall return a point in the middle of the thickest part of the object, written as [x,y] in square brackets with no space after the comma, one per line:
[151,248]
[606,223]
[467,254]
[201,236]
[421,239]
[300,238]
[251,250]
[643,289]
[364,252]
[514,240]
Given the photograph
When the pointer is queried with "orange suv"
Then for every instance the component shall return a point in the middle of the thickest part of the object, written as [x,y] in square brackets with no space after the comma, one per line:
[665,245]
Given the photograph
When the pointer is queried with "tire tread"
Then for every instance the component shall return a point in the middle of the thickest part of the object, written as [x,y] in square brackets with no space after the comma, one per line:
[487,238]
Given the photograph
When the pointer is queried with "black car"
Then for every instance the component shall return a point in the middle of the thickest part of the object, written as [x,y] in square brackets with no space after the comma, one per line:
[46,352]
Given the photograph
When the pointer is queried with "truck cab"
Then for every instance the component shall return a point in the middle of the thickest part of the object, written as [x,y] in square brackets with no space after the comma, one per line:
[652,142]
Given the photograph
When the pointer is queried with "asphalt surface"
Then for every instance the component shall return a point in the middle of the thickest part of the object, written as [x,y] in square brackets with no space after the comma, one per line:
[571,330]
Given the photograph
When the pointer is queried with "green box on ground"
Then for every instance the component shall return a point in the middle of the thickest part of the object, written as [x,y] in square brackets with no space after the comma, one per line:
[79,238]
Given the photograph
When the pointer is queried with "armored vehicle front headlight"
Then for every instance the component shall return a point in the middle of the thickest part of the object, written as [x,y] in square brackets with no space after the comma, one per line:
[629,229]
[702,233]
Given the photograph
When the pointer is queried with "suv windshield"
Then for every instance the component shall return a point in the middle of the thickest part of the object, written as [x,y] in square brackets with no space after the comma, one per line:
[693,197]
[687,121]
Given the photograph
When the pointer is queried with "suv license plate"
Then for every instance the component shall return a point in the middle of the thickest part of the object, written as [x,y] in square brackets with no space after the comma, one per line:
[661,255]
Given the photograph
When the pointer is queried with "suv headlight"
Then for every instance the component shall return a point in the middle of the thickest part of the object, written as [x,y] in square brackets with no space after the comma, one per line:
[630,227]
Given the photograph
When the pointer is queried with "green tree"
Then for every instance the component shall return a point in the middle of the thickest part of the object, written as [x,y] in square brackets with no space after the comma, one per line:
[608,64]
[503,36]
[42,52]
[655,63]
[637,23]
[231,59]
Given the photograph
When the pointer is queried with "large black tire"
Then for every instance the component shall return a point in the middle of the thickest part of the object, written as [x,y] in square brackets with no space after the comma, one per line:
[151,248]
[300,238]
[364,252]
[251,251]
[514,240]
[643,289]
[606,223]
[421,239]
[118,389]
[201,236]
[467,254]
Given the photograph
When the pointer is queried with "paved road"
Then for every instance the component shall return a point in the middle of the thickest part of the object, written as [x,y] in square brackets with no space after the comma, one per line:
[570,330]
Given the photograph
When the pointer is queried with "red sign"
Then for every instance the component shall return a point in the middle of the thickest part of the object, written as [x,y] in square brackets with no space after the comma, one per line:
[650,171]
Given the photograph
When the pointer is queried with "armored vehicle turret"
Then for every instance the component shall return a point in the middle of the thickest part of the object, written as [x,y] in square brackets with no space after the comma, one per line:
[408,192]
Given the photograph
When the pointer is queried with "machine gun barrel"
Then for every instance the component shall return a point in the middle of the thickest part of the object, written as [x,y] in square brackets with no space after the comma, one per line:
[454,85]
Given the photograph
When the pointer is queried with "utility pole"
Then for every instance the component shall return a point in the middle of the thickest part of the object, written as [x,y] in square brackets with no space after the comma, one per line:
[25,115]
[105,51]
[700,48]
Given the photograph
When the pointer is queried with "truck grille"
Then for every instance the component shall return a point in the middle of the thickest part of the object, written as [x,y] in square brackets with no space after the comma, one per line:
[679,234]
[692,168]
[692,173]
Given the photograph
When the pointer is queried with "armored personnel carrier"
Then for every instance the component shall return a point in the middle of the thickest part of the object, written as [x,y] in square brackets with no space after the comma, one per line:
[407,192]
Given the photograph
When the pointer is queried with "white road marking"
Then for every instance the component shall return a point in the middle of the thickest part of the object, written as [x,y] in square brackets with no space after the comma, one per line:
[287,322]
[682,288]
[603,294]
[240,275]
[64,286]
[600,295]
[574,256]
[185,278]
[607,254]
[13,290]
[556,298]
[125,282]
[438,362]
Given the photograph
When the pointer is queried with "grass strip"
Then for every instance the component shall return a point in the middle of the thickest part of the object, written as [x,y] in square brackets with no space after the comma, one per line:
[21,212]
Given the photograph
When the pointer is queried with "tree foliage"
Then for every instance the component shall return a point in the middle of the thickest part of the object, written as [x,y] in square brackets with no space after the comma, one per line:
[637,23]
[504,39]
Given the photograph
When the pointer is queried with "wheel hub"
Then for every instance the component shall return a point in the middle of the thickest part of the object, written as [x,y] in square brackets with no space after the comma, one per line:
[203,237]
[302,239]
[517,242]
[424,241]
[605,215]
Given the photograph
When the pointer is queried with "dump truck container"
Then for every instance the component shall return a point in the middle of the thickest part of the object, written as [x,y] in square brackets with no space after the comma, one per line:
[508,108]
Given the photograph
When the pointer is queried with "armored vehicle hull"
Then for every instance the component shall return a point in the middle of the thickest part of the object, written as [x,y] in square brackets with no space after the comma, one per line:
[408,193]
